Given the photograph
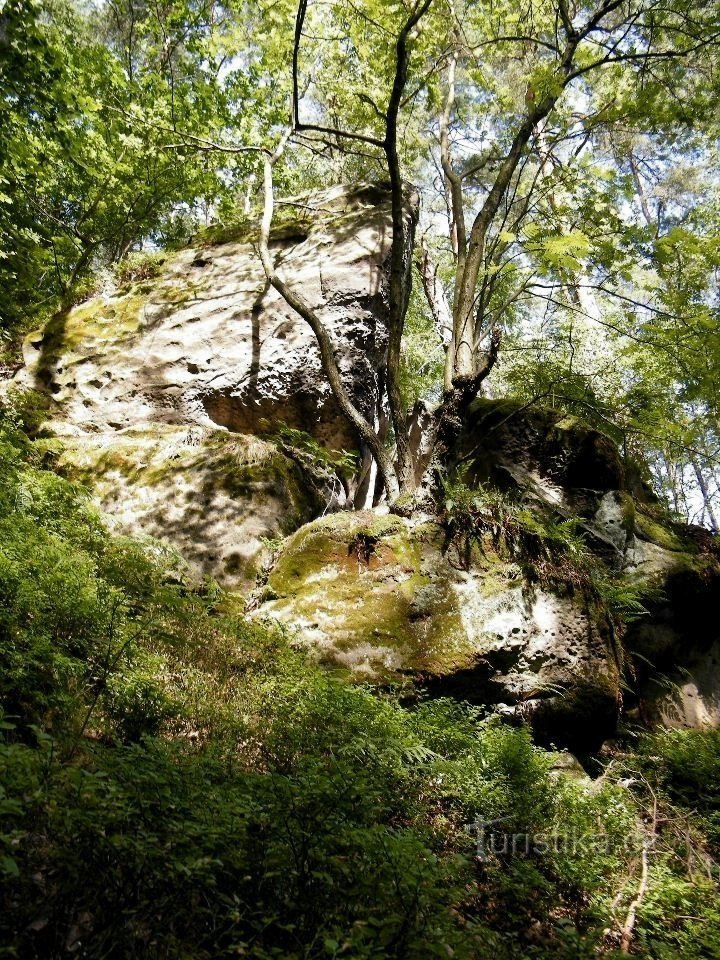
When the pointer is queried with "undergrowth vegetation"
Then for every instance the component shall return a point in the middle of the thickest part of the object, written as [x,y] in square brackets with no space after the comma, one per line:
[179,782]
[550,549]
[139,265]
[299,443]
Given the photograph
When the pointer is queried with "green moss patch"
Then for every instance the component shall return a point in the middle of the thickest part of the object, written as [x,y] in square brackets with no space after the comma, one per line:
[663,535]
[369,591]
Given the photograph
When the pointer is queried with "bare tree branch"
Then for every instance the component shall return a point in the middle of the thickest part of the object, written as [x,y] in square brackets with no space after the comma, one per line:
[327,349]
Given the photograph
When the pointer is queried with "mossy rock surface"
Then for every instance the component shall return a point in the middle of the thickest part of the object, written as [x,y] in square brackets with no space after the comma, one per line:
[380,598]
[217,498]
[365,589]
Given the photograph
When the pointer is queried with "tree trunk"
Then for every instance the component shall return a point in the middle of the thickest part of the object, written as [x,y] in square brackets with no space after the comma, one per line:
[327,350]
[707,501]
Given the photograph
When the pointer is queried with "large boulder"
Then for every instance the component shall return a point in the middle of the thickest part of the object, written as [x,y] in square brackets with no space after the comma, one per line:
[167,395]
[209,343]
[547,457]
[676,647]
[550,460]
[164,390]
[382,597]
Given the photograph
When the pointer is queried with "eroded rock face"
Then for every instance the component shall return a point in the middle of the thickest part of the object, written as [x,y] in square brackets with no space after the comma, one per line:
[218,500]
[691,698]
[166,395]
[550,459]
[677,646]
[209,343]
[672,650]
[383,597]
[161,389]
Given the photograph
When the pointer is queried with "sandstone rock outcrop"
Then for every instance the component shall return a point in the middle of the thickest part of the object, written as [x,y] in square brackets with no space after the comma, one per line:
[167,396]
[209,343]
[672,650]
[160,389]
[385,598]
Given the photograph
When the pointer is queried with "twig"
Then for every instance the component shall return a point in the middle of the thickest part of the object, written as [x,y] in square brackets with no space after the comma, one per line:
[629,926]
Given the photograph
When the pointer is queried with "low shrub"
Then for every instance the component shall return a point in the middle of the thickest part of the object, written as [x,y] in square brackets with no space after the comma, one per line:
[179,781]
[138,266]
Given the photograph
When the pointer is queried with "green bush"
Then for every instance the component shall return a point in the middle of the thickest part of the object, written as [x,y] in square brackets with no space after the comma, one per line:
[178,781]
[140,265]
[685,766]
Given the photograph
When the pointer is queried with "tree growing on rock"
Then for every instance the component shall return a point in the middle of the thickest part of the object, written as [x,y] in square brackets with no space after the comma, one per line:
[543,140]
[506,102]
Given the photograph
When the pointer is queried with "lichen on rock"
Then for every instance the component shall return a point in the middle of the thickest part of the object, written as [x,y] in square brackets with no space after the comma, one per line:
[380,598]
[386,598]
[216,499]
